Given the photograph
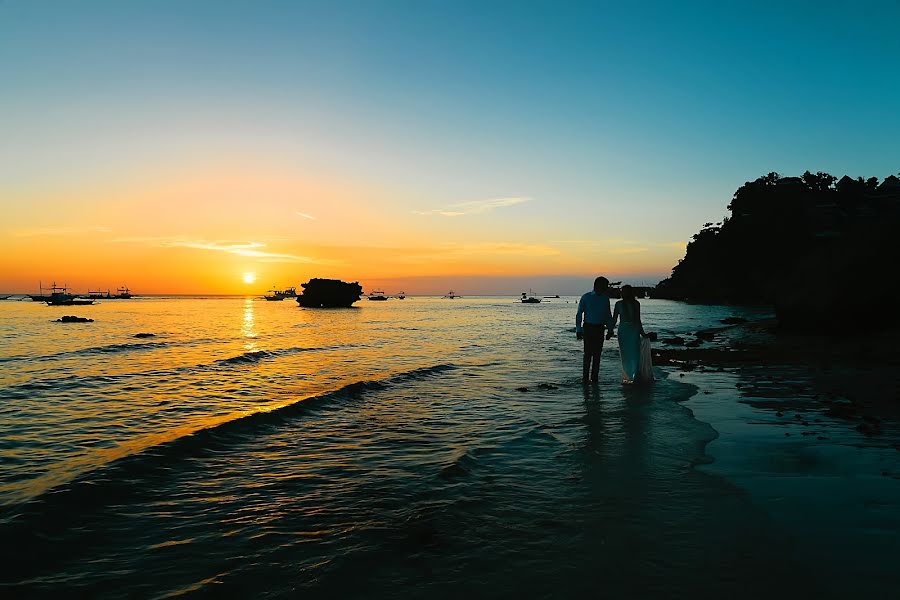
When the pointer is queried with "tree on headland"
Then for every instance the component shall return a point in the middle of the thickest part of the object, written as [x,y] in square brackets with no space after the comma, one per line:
[796,243]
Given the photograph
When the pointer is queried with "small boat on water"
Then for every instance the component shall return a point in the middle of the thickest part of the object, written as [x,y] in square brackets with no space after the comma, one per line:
[123,293]
[401,296]
[377,295]
[41,296]
[278,295]
[530,298]
[60,296]
[556,296]
[451,295]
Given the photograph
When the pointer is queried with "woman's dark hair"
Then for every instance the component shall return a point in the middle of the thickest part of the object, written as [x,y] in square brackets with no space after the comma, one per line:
[630,302]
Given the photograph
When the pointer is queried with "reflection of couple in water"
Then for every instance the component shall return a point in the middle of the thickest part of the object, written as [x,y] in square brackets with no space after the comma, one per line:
[594,316]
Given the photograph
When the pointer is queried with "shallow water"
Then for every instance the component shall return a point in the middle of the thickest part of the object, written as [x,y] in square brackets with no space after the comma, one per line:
[262,449]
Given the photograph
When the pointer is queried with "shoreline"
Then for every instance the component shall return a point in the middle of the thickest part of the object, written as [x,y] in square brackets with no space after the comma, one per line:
[808,439]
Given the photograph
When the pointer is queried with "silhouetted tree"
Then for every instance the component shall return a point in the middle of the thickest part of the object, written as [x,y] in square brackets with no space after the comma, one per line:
[794,242]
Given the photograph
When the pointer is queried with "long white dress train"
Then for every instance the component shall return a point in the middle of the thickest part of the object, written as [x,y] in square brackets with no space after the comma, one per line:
[630,348]
[637,363]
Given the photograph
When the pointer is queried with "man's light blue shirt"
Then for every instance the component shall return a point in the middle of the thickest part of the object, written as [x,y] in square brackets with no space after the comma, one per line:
[594,308]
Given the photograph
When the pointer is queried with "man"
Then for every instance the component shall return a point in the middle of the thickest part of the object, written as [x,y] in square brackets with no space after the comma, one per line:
[593,309]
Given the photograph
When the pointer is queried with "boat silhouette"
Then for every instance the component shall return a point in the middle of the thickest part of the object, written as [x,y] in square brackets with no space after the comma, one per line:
[279,295]
[60,296]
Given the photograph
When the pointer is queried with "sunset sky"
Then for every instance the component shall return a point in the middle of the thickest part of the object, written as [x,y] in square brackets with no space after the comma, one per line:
[191,147]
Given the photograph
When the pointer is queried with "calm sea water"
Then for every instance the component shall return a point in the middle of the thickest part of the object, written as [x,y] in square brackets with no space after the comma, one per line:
[423,447]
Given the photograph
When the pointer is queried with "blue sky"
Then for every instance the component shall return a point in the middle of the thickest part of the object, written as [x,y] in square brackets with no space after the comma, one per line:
[633,121]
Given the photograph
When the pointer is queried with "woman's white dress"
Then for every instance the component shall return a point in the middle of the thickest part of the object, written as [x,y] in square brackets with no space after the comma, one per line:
[635,350]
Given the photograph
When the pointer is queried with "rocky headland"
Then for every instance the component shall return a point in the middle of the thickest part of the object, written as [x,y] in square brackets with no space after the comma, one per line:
[818,249]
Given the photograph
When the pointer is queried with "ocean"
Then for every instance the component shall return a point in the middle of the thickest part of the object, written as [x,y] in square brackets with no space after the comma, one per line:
[423,447]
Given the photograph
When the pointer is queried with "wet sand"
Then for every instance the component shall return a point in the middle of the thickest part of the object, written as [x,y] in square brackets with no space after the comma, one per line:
[808,429]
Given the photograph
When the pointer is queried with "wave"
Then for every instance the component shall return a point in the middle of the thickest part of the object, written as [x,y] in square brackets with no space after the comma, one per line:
[79,484]
[111,348]
[258,355]
[93,381]
[106,349]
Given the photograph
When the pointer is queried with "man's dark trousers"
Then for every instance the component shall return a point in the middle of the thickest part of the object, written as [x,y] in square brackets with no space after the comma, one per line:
[593,344]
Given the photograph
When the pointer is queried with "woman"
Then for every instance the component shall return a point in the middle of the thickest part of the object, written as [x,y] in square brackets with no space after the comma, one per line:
[634,349]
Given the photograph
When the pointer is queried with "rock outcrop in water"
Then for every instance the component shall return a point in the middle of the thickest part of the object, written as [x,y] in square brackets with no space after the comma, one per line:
[816,248]
[329,293]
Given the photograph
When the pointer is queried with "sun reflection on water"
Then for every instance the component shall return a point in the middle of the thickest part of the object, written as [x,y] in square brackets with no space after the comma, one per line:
[247,330]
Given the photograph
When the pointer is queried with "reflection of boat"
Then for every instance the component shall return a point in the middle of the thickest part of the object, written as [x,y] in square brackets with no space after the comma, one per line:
[530,299]
[377,295]
[401,296]
[69,302]
[451,295]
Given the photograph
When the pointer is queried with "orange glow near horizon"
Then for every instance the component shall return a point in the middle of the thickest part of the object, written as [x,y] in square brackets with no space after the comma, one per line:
[223,230]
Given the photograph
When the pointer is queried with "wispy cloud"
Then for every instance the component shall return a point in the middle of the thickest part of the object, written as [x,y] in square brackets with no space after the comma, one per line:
[453,251]
[306,216]
[42,231]
[249,249]
[473,207]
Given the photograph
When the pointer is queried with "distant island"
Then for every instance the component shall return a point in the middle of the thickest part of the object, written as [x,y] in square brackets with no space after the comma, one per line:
[329,293]
[820,250]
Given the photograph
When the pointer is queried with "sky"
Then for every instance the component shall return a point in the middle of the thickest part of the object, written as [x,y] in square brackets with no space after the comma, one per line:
[486,147]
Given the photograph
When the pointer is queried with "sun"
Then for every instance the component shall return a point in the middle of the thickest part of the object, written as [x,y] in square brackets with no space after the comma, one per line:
[249,277]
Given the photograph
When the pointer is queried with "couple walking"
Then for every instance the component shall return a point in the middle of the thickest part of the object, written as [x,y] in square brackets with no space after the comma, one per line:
[594,316]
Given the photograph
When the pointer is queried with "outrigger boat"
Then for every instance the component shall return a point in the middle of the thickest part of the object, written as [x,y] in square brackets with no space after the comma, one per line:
[377,295]
[530,299]
[57,294]
[451,295]
[60,296]
[124,294]
[278,295]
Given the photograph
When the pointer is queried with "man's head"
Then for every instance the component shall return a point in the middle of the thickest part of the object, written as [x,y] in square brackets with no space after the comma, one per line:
[601,284]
